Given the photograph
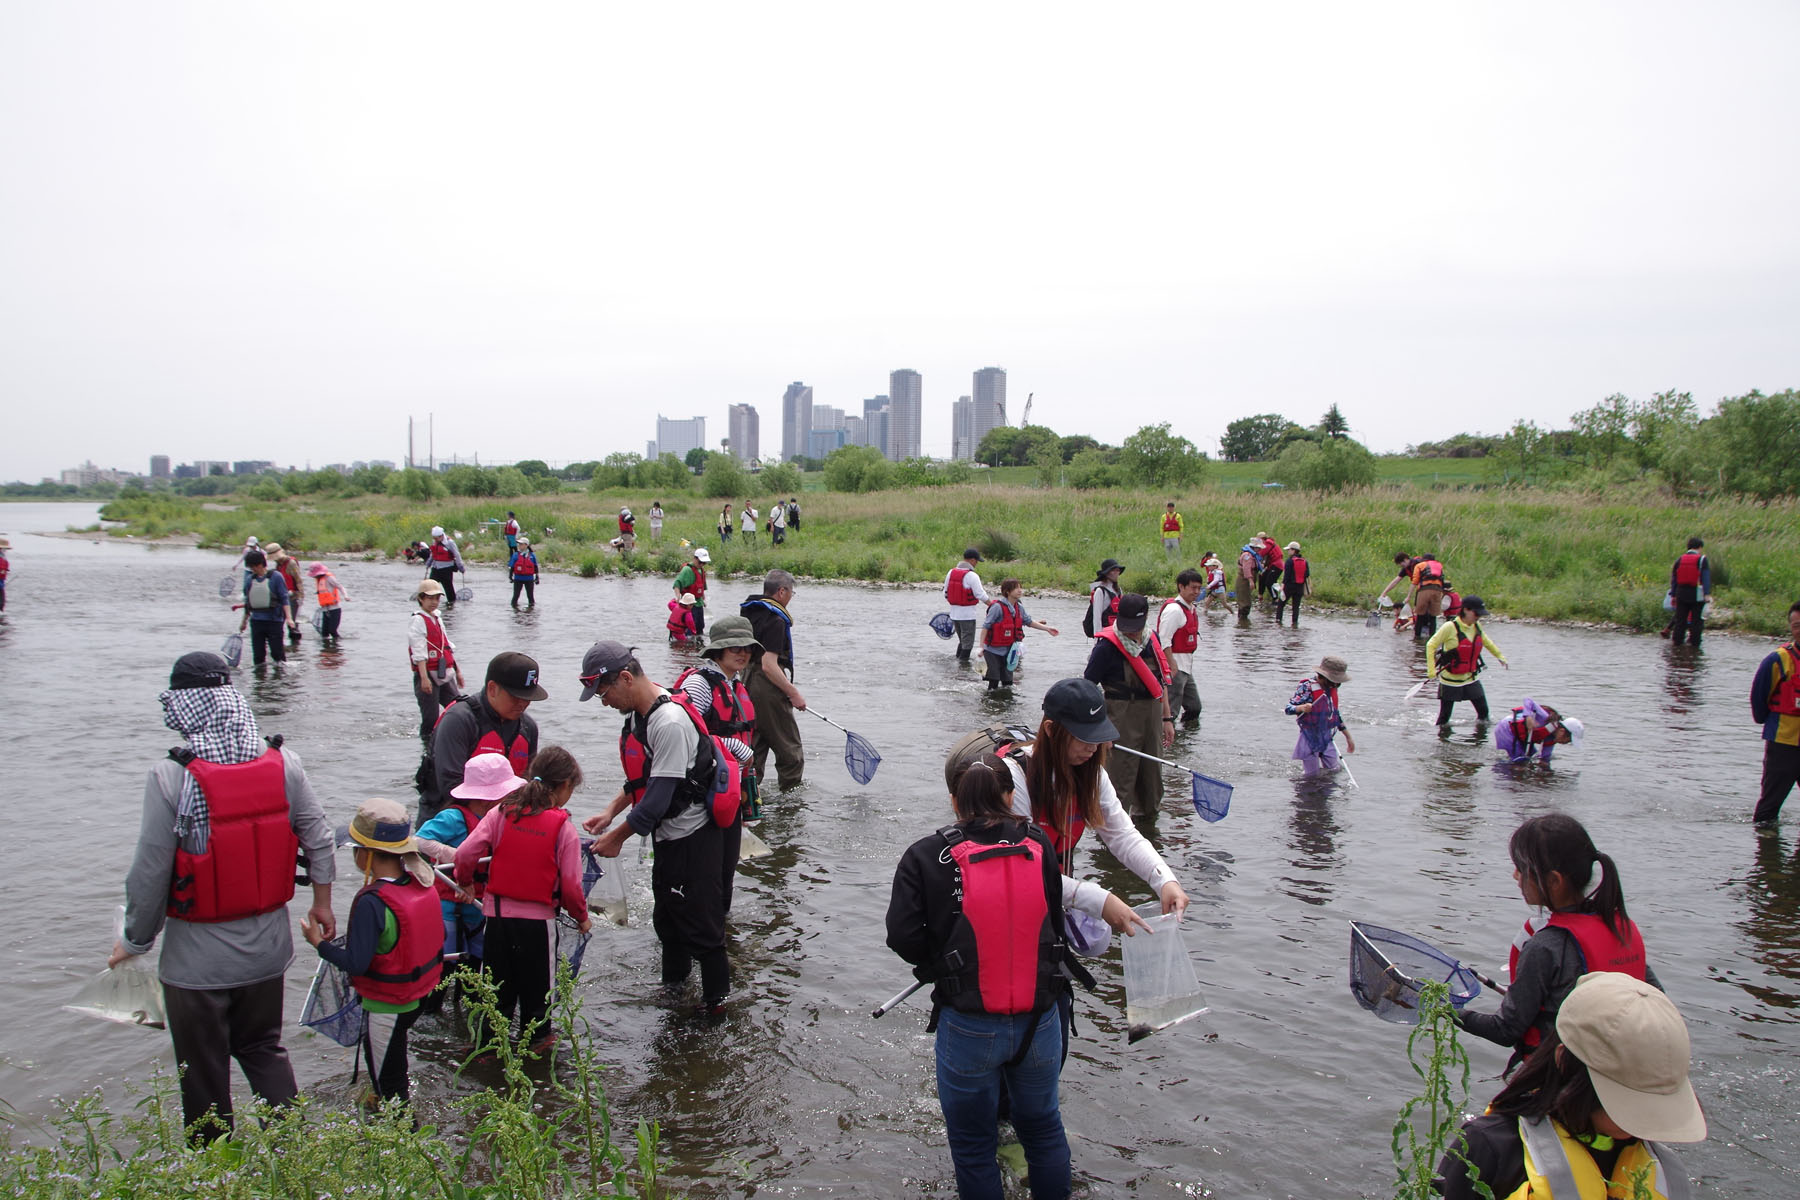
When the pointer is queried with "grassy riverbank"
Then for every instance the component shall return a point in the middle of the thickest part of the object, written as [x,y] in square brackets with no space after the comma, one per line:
[1550,554]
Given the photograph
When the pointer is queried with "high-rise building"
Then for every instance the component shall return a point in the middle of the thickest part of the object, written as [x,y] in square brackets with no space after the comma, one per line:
[827,417]
[856,431]
[823,441]
[990,405]
[905,390]
[159,466]
[962,429]
[677,437]
[743,427]
[251,466]
[876,424]
[796,420]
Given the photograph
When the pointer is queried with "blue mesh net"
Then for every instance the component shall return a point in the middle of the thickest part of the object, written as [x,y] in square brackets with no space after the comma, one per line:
[571,943]
[591,869]
[1387,968]
[232,649]
[331,1005]
[1212,797]
[227,586]
[860,758]
[464,593]
[942,625]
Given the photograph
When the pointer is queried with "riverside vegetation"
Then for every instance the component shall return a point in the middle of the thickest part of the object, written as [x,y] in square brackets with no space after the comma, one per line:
[1557,553]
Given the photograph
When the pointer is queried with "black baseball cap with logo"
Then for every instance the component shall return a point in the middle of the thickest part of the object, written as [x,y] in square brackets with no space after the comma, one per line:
[1134,608]
[602,664]
[1079,706]
[517,675]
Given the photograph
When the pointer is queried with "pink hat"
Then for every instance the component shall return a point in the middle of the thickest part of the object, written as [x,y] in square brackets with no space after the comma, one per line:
[316,569]
[487,777]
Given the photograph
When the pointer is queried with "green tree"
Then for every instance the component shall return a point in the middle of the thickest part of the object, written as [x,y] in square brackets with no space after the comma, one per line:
[1604,431]
[696,459]
[1251,439]
[510,481]
[780,479]
[1154,457]
[858,469]
[534,468]
[1075,443]
[1658,423]
[578,470]
[1008,446]
[1522,452]
[370,479]
[1747,435]
[1047,463]
[1333,425]
[1328,466]
[723,477]
[466,480]
[268,488]
[615,471]
[415,484]
[1092,469]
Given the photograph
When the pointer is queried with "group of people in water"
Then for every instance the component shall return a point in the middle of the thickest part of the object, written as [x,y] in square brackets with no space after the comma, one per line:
[273,595]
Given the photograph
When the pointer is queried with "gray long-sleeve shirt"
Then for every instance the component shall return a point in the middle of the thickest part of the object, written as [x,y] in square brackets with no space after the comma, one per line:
[224,954]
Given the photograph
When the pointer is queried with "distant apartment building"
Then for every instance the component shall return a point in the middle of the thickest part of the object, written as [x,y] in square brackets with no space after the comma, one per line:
[825,416]
[856,431]
[990,405]
[87,475]
[677,437]
[159,466]
[877,426]
[822,442]
[742,427]
[905,392]
[252,466]
[210,466]
[796,420]
[962,428]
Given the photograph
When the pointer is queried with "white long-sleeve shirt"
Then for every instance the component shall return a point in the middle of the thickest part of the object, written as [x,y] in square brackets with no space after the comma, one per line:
[967,612]
[1116,833]
[1174,616]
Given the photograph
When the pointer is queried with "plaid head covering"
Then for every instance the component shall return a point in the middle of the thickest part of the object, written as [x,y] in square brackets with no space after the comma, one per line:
[219,727]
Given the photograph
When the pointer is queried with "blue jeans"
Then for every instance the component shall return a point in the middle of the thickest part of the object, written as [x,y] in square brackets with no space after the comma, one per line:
[972,1051]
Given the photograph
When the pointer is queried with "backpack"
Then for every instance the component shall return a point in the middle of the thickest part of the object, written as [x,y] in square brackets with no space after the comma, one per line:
[724,776]
[1003,740]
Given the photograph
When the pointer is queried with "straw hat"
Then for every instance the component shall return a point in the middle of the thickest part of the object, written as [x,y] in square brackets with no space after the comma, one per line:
[274,550]
[487,777]
[1634,1044]
[1335,669]
[383,825]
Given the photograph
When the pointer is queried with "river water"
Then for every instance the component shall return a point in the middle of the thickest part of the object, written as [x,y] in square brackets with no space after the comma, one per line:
[1285,1089]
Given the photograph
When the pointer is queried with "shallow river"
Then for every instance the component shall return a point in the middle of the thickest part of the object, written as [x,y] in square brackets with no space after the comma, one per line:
[1286,1088]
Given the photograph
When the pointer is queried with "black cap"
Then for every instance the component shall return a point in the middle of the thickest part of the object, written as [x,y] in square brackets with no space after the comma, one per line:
[517,675]
[1473,604]
[972,554]
[1079,706]
[201,669]
[1133,609]
[600,664]
[1111,564]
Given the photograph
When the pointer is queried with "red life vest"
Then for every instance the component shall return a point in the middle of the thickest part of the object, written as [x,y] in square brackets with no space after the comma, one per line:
[438,655]
[412,968]
[4,568]
[1299,565]
[248,866]
[479,886]
[1465,659]
[1171,522]
[1452,603]
[440,553]
[1272,555]
[518,755]
[1522,731]
[511,529]
[732,714]
[289,575]
[1152,680]
[714,777]
[1001,955]
[1428,572]
[524,564]
[956,588]
[1009,628]
[524,865]
[696,587]
[1784,699]
[625,524]
[1602,949]
[681,623]
[1687,569]
[1188,636]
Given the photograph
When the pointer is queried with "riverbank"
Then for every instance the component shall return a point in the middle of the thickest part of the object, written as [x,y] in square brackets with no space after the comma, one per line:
[1570,556]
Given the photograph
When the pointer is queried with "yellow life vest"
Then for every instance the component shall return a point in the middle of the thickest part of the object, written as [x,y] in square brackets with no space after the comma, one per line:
[1557,1165]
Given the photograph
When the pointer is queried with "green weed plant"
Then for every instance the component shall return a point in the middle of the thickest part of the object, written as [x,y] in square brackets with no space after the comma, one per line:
[1429,1122]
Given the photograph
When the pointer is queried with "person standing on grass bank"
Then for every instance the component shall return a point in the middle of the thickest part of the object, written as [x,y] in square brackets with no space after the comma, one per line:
[1171,530]
[433,658]
[656,521]
[395,949]
[1178,628]
[265,610]
[444,562]
[770,678]
[522,569]
[668,773]
[1003,628]
[1103,598]
[1129,665]
[1294,582]
[331,597]
[1315,703]
[1454,657]
[1690,584]
[967,598]
[510,531]
[213,872]
[691,581]
[793,507]
[1586,1114]
[748,524]
[494,721]
[1775,705]
[725,524]
[777,523]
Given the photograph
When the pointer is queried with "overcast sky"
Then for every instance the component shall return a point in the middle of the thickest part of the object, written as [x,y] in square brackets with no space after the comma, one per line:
[276,231]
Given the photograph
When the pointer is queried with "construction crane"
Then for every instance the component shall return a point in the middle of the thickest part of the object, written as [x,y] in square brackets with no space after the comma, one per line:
[1025,419]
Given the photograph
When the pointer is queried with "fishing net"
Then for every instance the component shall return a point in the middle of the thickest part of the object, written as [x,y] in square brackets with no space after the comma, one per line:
[1212,797]
[1387,969]
[232,649]
[464,593]
[860,758]
[1373,620]
[942,625]
[331,1005]
[571,943]
[227,585]
[592,870]
[318,620]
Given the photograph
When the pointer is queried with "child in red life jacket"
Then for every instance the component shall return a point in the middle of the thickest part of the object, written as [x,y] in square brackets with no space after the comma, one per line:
[683,627]
[1582,927]
[535,869]
[1315,703]
[976,909]
[1536,727]
[487,780]
[331,596]
[394,949]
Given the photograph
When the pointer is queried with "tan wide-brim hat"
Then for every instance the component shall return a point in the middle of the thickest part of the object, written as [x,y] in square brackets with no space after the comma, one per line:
[1634,1044]
[1335,669]
[383,825]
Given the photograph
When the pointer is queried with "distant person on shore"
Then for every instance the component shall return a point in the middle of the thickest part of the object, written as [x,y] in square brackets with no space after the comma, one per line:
[1294,582]
[725,524]
[1775,705]
[691,581]
[1315,704]
[1003,628]
[1103,598]
[265,610]
[5,569]
[1171,531]
[777,522]
[770,678]
[656,521]
[433,658]
[1454,658]
[522,569]
[492,721]
[1178,628]
[748,524]
[1690,583]
[1538,728]
[968,600]
[510,531]
[223,819]
[331,597]
[626,542]
[1128,663]
[445,563]
[793,508]
[288,567]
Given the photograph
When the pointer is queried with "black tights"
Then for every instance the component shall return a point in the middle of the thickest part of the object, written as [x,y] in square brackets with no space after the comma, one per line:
[1450,693]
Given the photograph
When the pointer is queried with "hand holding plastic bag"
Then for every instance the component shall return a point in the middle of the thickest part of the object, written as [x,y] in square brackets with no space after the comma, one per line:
[129,994]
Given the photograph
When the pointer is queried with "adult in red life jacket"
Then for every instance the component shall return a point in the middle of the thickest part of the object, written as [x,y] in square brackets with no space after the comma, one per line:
[716,693]
[1002,629]
[1581,926]
[627,539]
[1775,705]
[691,581]
[213,874]
[522,568]
[534,869]
[976,909]
[395,948]
[437,676]
[968,600]
[493,720]
[682,626]
[1690,586]
[487,779]
[668,768]
[1103,598]
[1454,657]
[1427,595]
[1271,567]
[444,562]
[1178,629]
[288,567]
[510,531]
[1171,530]
[1315,704]
[1133,672]
[1296,577]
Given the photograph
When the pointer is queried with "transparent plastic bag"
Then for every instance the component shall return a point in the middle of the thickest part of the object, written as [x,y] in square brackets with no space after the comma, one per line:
[128,994]
[752,847]
[1161,988]
[606,887]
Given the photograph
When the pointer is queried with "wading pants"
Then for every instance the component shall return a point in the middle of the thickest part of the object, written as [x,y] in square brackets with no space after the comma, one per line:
[1139,783]
[209,1029]
[965,638]
[776,730]
[1781,770]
